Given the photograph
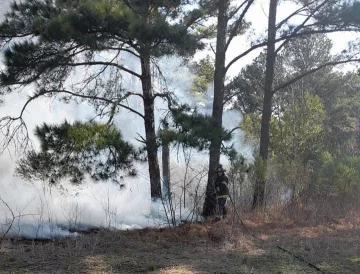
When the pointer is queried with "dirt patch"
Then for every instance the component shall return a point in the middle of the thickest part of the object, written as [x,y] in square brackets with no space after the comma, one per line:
[222,247]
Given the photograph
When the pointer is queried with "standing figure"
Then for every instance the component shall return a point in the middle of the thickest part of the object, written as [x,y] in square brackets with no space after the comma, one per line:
[221,190]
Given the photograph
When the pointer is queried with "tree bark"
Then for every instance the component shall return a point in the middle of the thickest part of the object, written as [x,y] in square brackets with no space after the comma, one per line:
[217,113]
[166,165]
[149,120]
[259,194]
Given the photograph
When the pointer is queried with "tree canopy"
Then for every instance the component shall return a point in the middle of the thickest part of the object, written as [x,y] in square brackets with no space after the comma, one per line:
[76,150]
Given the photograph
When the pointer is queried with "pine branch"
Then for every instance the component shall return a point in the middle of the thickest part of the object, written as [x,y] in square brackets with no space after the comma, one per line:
[237,9]
[299,77]
[235,128]
[239,22]
[234,60]
[209,7]
[141,140]
[93,97]
[280,24]
[285,37]
[97,63]
[300,31]
[300,27]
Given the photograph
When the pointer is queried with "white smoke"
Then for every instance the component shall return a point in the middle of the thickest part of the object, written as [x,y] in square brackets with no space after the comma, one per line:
[34,210]
[39,207]
[43,212]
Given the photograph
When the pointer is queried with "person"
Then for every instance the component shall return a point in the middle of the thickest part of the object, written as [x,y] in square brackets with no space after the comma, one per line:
[221,190]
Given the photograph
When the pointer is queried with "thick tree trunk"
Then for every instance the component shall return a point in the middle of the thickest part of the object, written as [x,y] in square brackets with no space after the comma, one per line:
[259,194]
[151,147]
[166,165]
[219,79]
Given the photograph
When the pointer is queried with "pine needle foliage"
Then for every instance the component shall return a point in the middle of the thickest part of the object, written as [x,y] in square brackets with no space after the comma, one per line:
[72,151]
[203,74]
[64,29]
[193,129]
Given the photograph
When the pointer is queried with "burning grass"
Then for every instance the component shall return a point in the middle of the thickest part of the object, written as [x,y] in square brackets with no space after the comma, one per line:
[221,247]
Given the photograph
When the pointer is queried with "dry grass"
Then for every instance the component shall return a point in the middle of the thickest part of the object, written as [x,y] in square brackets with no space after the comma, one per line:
[221,247]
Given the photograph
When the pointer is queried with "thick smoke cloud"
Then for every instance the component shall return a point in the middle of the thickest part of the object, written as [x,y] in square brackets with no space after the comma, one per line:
[40,207]
[44,212]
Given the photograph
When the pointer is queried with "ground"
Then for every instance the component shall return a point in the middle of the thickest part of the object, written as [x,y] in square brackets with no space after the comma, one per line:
[222,247]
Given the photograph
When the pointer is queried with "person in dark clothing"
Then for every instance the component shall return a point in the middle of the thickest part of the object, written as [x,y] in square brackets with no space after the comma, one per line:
[221,190]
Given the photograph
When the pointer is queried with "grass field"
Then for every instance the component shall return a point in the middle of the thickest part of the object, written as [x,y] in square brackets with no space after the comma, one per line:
[221,247]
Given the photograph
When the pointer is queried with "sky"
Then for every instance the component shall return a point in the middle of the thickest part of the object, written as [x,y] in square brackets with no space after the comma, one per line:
[45,212]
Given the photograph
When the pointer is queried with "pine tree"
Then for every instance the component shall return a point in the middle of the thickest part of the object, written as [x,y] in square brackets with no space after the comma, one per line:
[230,23]
[59,38]
[329,16]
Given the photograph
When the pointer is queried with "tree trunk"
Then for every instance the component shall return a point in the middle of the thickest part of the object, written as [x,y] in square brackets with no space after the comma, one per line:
[166,165]
[149,119]
[259,194]
[219,79]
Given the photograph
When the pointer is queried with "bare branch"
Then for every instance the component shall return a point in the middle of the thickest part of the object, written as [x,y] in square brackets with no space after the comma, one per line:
[280,24]
[244,54]
[301,34]
[300,27]
[299,77]
[97,63]
[12,220]
[141,140]
[126,49]
[10,134]
[212,49]
[236,128]
[94,97]
[229,97]
[239,22]
[132,110]
[237,9]
[162,95]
